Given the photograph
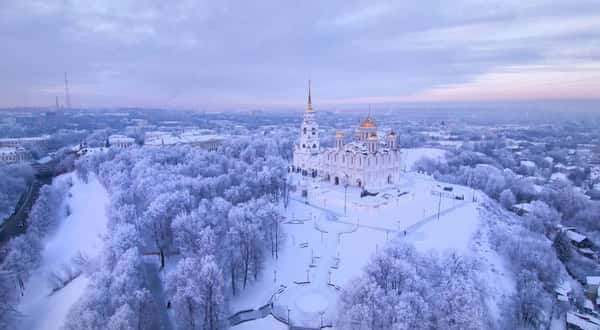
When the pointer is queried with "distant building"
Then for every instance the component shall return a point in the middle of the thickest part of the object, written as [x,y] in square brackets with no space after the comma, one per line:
[194,138]
[120,141]
[14,155]
[26,142]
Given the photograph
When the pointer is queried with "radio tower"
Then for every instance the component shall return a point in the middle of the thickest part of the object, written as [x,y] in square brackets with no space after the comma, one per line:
[67,96]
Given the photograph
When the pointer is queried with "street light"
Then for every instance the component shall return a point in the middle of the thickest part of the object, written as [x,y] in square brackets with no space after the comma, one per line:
[345,192]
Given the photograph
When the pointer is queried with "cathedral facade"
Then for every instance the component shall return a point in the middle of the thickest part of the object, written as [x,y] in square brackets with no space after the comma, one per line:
[368,161]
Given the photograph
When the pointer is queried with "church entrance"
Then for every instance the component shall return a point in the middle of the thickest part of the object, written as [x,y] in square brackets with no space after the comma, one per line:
[336,180]
[389,179]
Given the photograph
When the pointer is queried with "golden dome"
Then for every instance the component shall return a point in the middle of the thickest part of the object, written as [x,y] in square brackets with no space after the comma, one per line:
[373,137]
[368,123]
[339,134]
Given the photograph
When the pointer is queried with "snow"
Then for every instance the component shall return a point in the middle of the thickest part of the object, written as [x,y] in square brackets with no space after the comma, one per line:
[81,231]
[462,223]
[261,324]
[328,249]
[558,176]
[528,163]
[574,236]
[411,155]
[592,280]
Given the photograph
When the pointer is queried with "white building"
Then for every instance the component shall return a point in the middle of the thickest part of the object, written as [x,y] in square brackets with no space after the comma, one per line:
[26,142]
[194,138]
[367,162]
[120,141]
[14,154]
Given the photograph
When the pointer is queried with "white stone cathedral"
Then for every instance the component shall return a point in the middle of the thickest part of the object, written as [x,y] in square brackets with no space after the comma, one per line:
[367,162]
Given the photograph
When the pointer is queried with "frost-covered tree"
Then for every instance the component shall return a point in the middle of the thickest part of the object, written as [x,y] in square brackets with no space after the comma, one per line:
[507,198]
[197,292]
[404,289]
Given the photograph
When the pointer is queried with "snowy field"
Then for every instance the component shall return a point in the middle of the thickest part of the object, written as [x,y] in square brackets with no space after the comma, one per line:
[327,247]
[80,232]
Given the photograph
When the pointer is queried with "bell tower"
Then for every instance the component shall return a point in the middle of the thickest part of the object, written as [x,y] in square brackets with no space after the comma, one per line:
[307,149]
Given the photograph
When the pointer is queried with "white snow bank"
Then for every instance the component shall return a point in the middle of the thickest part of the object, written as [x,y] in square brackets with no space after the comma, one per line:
[81,231]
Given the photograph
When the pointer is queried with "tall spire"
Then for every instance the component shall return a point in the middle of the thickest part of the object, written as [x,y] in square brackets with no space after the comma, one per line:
[309,107]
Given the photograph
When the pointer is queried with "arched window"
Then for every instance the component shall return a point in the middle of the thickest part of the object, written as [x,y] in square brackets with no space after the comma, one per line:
[304,130]
[314,131]
[314,145]
[303,145]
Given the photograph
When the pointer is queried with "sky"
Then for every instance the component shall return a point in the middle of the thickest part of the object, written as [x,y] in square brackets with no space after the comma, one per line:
[207,54]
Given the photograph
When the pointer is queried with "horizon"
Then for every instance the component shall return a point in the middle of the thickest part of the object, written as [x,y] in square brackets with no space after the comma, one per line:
[236,55]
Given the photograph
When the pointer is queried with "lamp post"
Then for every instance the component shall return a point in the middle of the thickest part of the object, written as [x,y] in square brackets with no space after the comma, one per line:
[345,192]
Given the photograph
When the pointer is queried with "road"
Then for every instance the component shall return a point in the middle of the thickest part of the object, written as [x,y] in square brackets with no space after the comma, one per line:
[16,224]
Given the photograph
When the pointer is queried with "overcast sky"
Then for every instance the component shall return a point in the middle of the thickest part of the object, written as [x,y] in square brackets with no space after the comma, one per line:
[200,54]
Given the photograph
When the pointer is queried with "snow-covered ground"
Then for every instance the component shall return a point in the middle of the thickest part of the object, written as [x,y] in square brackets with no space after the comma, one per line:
[81,231]
[325,245]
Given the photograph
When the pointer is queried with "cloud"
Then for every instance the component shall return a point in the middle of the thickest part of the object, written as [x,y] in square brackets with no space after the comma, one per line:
[201,53]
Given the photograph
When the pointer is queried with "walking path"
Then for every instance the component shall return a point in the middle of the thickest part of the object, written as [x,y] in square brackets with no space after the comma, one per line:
[319,275]
[334,216]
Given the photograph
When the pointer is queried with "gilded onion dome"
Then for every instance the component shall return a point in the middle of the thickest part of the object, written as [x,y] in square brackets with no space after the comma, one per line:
[339,134]
[368,123]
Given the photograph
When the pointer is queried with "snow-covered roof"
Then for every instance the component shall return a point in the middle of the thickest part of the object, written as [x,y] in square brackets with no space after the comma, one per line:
[586,251]
[527,163]
[116,138]
[27,139]
[563,289]
[583,321]
[592,280]
[588,304]
[190,137]
[575,237]
[522,206]
[559,176]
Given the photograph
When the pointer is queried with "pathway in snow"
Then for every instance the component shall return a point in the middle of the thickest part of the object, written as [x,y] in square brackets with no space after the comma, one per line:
[79,232]
[389,213]
[409,229]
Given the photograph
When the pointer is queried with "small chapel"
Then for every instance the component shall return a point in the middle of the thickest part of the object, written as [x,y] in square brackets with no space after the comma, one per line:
[370,160]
